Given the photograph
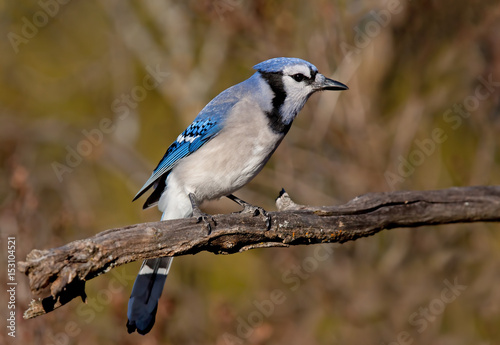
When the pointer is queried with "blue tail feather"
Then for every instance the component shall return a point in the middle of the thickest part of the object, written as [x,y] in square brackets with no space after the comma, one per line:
[145,294]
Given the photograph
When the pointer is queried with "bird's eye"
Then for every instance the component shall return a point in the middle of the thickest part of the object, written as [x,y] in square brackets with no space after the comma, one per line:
[298,77]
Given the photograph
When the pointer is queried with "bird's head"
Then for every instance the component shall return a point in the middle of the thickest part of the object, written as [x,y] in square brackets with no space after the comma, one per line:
[292,81]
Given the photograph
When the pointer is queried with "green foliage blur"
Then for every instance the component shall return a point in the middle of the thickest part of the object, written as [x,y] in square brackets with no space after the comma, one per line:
[93,92]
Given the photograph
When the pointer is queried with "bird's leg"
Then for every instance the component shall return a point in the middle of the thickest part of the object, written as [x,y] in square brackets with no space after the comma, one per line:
[249,208]
[201,216]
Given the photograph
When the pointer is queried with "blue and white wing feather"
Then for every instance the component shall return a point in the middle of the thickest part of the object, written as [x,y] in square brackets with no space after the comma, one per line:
[198,133]
[205,126]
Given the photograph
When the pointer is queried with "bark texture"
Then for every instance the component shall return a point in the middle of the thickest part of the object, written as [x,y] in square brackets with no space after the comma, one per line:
[65,269]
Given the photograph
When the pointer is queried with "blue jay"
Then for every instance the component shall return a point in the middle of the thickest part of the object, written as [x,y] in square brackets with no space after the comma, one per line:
[227,145]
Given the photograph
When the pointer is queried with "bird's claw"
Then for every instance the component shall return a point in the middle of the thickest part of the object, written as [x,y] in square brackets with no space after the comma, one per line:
[255,211]
[251,209]
[200,216]
[205,218]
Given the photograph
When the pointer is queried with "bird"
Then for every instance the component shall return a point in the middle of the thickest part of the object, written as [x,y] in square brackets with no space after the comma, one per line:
[225,147]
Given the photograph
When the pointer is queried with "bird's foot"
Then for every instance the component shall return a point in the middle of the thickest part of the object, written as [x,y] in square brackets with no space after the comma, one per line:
[255,211]
[205,218]
[251,209]
[201,216]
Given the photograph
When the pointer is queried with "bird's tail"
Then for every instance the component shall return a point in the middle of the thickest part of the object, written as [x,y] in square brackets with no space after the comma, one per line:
[145,294]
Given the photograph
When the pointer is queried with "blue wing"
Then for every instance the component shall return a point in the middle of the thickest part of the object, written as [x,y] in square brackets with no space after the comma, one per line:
[197,134]
[205,126]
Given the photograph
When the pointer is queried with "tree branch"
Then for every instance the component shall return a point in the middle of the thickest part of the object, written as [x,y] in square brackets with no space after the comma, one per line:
[65,269]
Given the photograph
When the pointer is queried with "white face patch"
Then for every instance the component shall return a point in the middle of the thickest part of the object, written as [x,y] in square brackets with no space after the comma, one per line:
[297,94]
[297,69]
[292,91]
[298,90]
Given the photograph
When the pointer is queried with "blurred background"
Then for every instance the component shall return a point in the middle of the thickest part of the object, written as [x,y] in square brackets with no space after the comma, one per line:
[93,92]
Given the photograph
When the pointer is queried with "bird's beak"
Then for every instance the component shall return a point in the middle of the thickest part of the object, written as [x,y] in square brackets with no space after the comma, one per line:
[324,83]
